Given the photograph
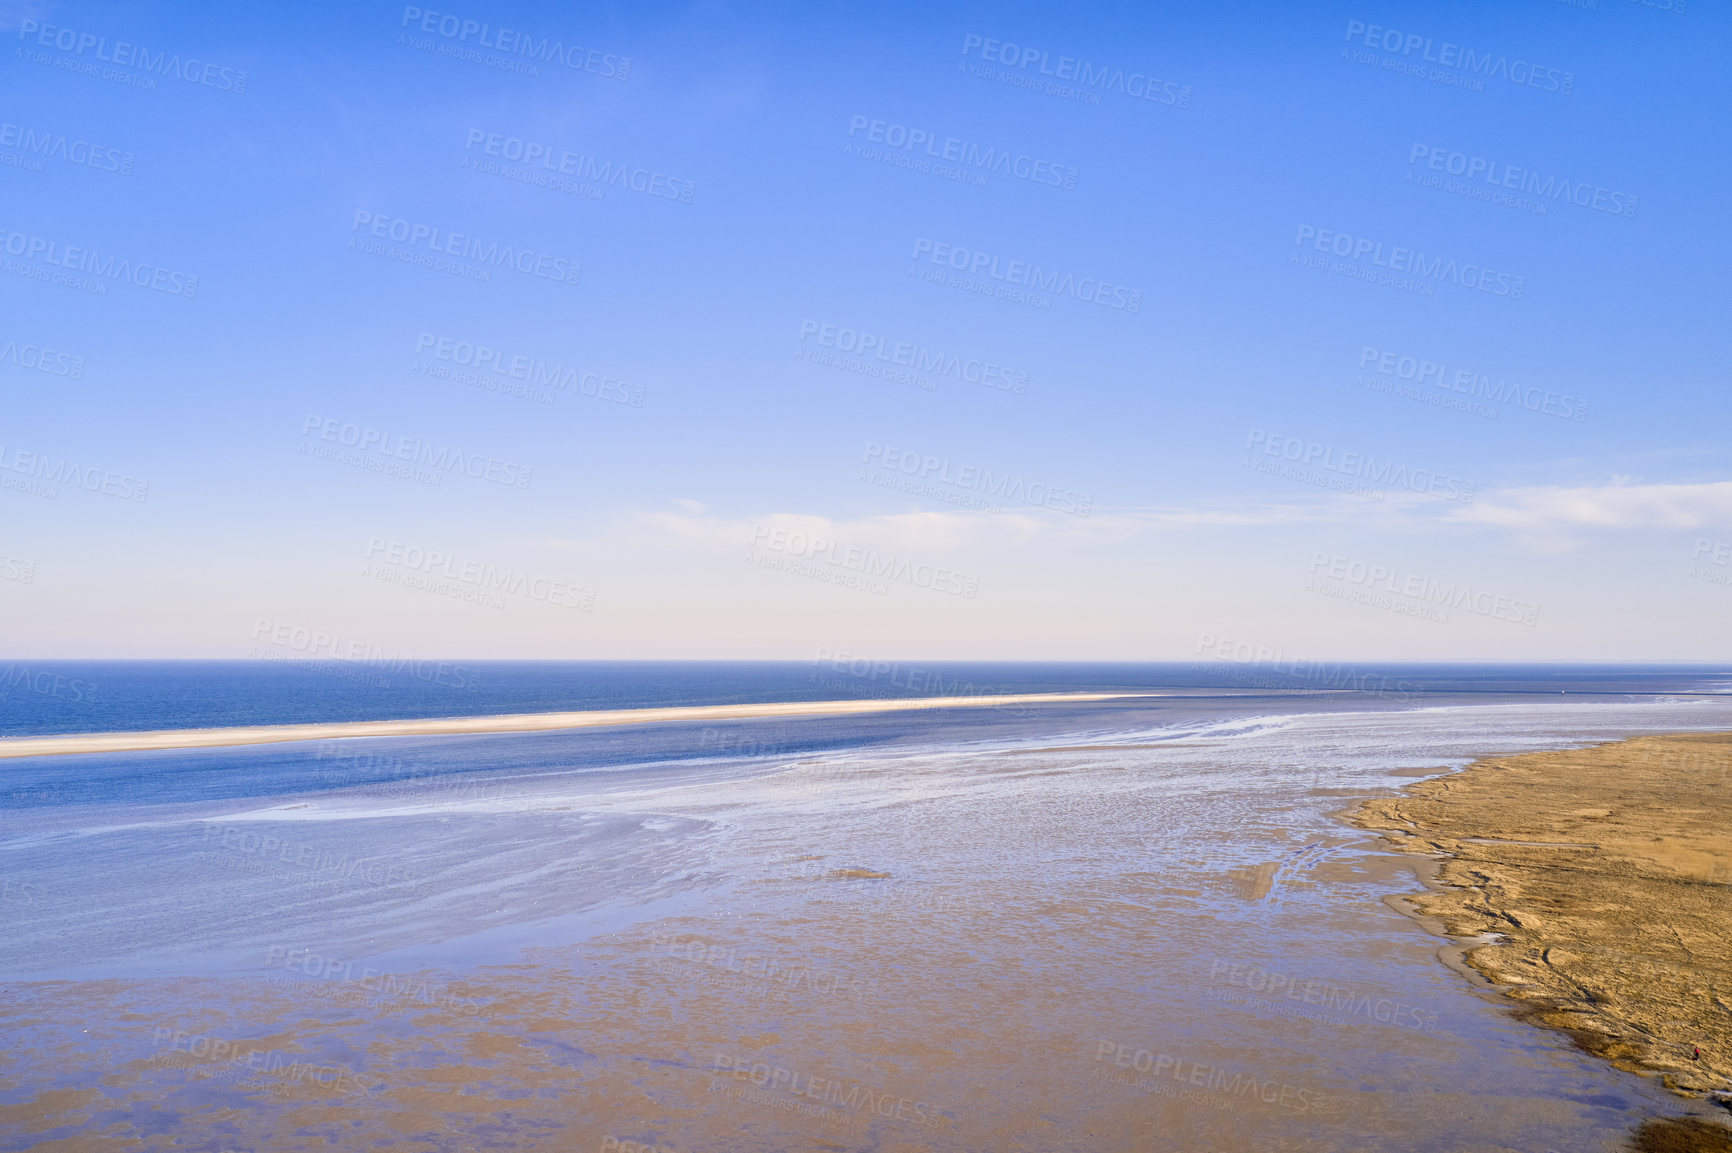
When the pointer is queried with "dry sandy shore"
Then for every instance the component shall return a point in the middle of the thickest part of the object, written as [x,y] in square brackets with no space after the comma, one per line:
[1606,874]
[513,723]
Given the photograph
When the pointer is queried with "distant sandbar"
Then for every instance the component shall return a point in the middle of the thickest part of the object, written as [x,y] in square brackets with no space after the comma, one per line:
[512,723]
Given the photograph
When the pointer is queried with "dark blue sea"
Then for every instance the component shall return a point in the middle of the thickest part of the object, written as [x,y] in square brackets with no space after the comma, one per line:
[57,697]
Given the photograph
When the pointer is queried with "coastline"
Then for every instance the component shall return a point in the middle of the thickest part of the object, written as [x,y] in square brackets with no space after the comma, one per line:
[1591,887]
[128,742]
[1181,930]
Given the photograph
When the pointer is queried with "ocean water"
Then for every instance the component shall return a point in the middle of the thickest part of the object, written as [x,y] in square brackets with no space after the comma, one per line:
[53,697]
[978,911]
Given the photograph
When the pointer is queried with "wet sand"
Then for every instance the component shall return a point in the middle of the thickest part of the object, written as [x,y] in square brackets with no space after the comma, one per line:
[512,723]
[1602,879]
[1076,945]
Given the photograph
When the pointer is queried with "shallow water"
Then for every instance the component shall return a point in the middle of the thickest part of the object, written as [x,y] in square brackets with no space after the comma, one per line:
[1107,927]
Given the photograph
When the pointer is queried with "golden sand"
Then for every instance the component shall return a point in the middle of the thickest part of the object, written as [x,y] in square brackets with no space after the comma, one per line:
[1602,880]
[514,723]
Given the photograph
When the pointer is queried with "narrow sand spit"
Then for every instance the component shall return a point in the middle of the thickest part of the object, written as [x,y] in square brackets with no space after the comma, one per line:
[1603,880]
[513,723]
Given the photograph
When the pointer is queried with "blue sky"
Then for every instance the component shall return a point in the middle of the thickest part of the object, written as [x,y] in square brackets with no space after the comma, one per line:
[1427,359]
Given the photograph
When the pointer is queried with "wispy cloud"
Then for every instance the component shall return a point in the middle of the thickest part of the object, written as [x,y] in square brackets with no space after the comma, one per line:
[1620,504]
[936,529]
[689,524]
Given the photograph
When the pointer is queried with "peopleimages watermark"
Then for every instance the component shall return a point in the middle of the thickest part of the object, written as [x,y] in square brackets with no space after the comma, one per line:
[1388,587]
[882,894]
[816,570]
[355,656]
[1396,369]
[1312,999]
[836,1099]
[484,580]
[1403,268]
[1457,66]
[427,245]
[1508,184]
[923,150]
[1351,471]
[964,268]
[885,679]
[45,472]
[1373,598]
[820,776]
[407,457]
[853,566]
[421,582]
[901,361]
[41,358]
[503,48]
[144,68]
[1220,1086]
[857,690]
[516,374]
[17,569]
[383,985]
[36,147]
[546,166]
[44,683]
[968,484]
[248,850]
[738,744]
[248,1056]
[724,964]
[88,270]
[1071,78]
[406,780]
[1688,759]
[1676,7]
[1712,562]
[1261,666]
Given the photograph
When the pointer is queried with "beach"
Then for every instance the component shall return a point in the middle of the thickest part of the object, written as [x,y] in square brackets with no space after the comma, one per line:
[1129,925]
[1595,889]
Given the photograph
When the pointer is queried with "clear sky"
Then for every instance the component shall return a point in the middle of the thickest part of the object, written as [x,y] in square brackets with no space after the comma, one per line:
[1365,330]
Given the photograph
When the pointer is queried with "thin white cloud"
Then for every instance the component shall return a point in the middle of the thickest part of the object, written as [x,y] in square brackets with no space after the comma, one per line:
[973,529]
[937,529]
[1617,505]
[1556,511]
